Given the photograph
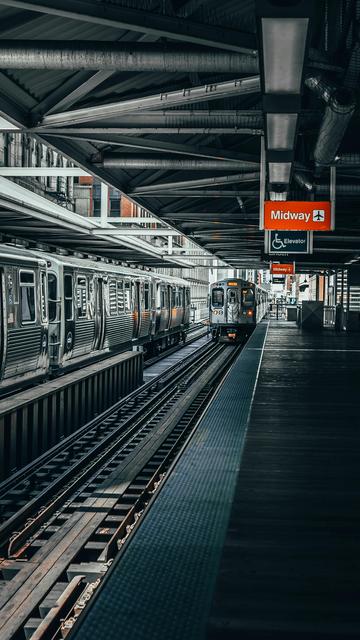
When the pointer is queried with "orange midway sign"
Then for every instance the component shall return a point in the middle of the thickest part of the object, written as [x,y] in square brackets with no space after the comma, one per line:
[291,215]
[282,269]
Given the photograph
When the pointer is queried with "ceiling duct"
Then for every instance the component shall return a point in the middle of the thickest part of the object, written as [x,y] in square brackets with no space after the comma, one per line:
[324,188]
[303,181]
[340,106]
[134,56]
[113,161]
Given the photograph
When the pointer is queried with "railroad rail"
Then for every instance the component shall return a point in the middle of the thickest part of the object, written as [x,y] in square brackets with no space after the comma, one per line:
[64,519]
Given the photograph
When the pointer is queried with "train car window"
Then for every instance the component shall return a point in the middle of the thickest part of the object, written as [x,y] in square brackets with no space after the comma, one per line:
[147,295]
[217,297]
[173,301]
[127,295]
[52,296]
[81,297]
[247,297]
[27,296]
[120,296]
[68,295]
[112,298]
[187,293]
[43,296]
[163,298]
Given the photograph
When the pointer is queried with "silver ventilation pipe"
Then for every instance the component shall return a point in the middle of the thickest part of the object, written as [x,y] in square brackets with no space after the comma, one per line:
[341,189]
[113,161]
[134,56]
[349,160]
[340,106]
[303,181]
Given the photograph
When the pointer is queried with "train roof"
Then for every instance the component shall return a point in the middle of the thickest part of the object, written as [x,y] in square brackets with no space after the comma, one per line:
[14,252]
[240,281]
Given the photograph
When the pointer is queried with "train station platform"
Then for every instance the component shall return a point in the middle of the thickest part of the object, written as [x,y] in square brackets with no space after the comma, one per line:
[255,535]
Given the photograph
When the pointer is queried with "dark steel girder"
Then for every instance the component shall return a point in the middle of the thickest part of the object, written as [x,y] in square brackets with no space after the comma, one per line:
[142,22]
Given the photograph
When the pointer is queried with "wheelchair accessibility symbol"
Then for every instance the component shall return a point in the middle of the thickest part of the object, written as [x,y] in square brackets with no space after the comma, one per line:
[277,243]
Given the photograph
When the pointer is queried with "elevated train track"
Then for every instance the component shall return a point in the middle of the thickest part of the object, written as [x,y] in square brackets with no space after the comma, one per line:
[64,519]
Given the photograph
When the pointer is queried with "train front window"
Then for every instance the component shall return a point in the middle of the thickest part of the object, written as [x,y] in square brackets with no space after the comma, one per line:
[247,297]
[217,297]
[27,296]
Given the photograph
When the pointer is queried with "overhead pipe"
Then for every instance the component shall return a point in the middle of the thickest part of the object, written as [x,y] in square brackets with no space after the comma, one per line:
[340,106]
[303,181]
[122,56]
[203,182]
[324,187]
[112,161]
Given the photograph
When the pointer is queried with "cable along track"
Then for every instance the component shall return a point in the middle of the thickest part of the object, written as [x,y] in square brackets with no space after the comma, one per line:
[73,510]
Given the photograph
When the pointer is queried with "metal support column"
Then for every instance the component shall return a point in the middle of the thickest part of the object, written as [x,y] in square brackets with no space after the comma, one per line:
[104,204]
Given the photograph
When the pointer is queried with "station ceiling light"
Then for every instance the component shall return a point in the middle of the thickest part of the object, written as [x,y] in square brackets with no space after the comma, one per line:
[281,129]
[283,32]
[279,172]
[283,45]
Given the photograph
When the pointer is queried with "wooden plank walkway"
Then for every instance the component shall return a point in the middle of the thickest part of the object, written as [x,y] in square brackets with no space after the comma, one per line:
[291,561]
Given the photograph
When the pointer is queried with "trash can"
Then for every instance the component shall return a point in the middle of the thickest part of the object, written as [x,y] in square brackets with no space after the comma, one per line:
[312,315]
[291,313]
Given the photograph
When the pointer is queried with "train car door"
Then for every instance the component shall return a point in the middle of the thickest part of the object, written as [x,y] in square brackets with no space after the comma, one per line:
[11,312]
[232,305]
[69,321]
[170,297]
[135,295]
[99,314]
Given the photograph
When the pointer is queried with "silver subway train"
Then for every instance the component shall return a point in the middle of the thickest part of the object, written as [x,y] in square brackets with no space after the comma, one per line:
[236,306]
[60,311]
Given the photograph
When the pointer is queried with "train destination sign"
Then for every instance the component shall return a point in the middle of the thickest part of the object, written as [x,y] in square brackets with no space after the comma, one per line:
[280,242]
[279,269]
[291,215]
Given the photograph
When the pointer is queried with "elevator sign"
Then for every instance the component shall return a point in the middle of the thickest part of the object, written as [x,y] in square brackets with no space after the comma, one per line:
[285,242]
[291,215]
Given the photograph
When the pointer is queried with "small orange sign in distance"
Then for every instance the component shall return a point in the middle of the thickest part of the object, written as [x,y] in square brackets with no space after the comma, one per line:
[276,268]
[289,215]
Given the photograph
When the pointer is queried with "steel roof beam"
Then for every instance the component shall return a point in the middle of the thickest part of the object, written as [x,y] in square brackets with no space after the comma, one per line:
[200,193]
[203,182]
[144,130]
[185,118]
[43,171]
[148,22]
[158,145]
[214,91]
[70,91]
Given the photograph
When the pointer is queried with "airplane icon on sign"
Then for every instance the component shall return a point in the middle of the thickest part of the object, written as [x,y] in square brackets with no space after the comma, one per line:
[318,215]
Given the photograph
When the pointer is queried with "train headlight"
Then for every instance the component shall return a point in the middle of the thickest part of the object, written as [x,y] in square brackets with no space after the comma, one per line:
[250,313]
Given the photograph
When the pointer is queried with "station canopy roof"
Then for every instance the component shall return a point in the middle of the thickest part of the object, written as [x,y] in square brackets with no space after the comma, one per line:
[169,101]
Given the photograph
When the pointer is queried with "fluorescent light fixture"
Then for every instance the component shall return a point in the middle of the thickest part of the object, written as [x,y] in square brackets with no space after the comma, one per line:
[5,124]
[284,41]
[276,195]
[279,172]
[281,129]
